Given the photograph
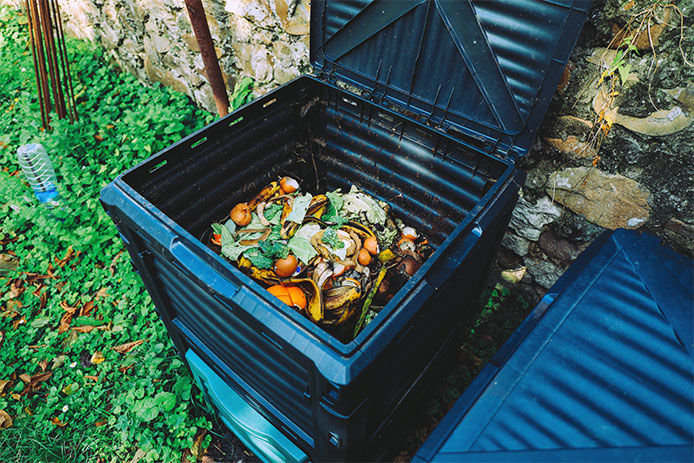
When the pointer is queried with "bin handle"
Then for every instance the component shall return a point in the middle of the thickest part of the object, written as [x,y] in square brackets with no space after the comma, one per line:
[191,264]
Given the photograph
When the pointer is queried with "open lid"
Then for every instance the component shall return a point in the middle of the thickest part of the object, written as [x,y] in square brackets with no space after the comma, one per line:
[484,68]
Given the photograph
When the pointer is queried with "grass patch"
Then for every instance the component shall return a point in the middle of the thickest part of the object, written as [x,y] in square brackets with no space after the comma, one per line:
[73,296]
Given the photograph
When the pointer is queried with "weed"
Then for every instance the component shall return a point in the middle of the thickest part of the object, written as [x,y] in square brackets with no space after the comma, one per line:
[74,387]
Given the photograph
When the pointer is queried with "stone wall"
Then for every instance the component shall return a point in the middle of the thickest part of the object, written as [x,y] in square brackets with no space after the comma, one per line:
[152,39]
[606,161]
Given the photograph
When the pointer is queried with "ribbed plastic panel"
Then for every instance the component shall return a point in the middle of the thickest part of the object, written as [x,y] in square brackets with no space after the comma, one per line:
[485,68]
[607,366]
[244,350]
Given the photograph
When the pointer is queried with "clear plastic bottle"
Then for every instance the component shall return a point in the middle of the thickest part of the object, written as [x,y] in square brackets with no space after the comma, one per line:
[38,169]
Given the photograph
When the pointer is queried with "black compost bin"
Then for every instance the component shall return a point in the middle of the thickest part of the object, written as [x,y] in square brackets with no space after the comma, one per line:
[451,93]
[601,370]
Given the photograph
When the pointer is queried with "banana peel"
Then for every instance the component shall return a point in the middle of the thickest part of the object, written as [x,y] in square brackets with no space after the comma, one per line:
[266,193]
[314,307]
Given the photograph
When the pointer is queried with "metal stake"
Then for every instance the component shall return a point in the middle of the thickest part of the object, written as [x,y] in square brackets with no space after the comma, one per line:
[198,20]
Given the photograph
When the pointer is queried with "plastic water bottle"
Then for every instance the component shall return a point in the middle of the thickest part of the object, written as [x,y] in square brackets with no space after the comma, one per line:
[38,169]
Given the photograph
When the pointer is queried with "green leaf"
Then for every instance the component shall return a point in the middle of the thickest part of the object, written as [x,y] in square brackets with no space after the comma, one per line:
[258,260]
[165,400]
[301,248]
[274,249]
[624,72]
[147,409]
[331,239]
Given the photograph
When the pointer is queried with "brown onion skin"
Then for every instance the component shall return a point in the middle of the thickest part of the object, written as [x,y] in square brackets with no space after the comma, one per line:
[241,214]
[364,257]
[285,267]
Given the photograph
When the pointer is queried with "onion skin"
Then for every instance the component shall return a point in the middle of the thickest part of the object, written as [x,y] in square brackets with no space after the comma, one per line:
[241,214]
[286,267]
[364,257]
[371,245]
[289,185]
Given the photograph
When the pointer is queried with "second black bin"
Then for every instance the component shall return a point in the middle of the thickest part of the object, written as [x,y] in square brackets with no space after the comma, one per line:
[471,82]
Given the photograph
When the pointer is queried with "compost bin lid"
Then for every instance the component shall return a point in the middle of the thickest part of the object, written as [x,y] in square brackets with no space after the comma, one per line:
[484,68]
[601,370]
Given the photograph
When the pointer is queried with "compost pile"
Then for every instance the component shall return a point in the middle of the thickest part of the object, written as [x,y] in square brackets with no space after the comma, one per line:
[337,257]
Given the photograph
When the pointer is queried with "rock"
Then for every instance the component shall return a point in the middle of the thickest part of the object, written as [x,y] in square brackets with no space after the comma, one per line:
[258,12]
[684,96]
[558,248]
[528,219]
[573,146]
[255,60]
[294,15]
[575,228]
[573,121]
[515,243]
[611,201]
[680,235]
[658,123]
[544,273]
[513,276]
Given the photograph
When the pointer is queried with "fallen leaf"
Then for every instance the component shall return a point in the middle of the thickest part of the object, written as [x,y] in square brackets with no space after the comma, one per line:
[19,321]
[3,384]
[89,328]
[43,299]
[58,362]
[27,410]
[125,369]
[24,377]
[2,337]
[64,323]
[43,365]
[103,292]
[98,137]
[196,449]
[138,456]
[86,309]
[97,357]
[100,423]
[16,396]
[5,420]
[16,288]
[8,263]
[57,422]
[127,347]
[36,346]
[68,256]
[67,308]
[92,377]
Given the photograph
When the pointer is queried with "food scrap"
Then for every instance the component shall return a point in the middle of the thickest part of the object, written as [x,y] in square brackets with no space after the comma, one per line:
[337,257]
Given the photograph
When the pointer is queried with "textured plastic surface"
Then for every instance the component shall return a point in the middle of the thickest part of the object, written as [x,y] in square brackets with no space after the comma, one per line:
[335,401]
[601,370]
[249,425]
[484,68]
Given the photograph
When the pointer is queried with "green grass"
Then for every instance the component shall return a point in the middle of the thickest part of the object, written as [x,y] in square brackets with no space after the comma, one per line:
[85,410]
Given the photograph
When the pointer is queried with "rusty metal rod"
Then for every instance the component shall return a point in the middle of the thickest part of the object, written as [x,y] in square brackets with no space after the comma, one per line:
[34,53]
[50,57]
[40,57]
[62,52]
[196,13]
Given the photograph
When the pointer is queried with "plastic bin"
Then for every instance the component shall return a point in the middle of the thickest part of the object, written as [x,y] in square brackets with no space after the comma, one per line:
[601,370]
[438,147]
